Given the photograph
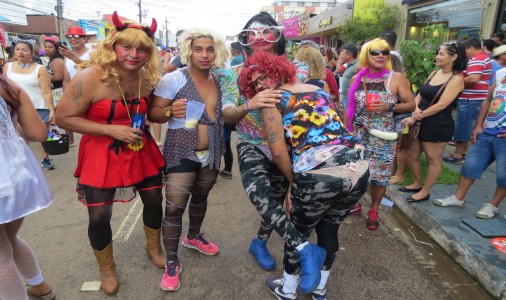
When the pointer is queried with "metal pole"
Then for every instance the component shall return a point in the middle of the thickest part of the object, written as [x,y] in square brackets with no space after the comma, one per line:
[166,32]
[59,16]
[140,12]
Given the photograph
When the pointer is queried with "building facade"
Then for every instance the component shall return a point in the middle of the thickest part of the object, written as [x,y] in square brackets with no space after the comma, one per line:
[464,18]
[282,10]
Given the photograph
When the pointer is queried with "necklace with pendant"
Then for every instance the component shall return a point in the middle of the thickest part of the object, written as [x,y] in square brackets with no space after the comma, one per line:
[137,146]
[24,66]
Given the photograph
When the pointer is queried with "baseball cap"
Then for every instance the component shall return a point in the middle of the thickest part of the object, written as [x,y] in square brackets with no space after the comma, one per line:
[163,48]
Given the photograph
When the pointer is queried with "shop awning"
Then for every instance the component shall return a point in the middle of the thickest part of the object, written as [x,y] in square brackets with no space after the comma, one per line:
[4,19]
[409,1]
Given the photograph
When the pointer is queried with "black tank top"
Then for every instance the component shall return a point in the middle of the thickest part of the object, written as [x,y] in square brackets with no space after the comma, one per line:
[428,92]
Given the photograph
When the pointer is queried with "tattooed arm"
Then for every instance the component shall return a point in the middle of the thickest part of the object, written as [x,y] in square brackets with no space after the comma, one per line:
[79,95]
[275,133]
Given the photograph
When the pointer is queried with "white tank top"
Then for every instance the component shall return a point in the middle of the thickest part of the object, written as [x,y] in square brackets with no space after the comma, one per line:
[71,65]
[30,84]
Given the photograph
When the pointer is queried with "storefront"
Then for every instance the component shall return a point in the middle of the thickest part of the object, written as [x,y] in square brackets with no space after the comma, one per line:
[323,26]
[320,28]
[464,18]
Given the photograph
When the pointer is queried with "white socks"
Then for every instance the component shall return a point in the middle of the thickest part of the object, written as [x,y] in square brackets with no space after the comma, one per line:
[323,281]
[35,280]
[301,246]
[290,283]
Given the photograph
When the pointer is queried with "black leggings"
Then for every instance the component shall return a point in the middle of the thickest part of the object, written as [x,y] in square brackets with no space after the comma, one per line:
[187,179]
[228,157]
[99,228]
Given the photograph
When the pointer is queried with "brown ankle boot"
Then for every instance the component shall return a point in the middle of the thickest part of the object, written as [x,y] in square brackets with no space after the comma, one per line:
[153,248]
[107,268]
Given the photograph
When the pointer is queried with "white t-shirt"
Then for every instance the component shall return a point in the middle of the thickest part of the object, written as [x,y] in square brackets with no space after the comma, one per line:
[71,65]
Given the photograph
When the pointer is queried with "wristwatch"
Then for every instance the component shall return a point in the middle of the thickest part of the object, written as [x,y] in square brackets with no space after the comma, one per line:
[167,112]
[391,107]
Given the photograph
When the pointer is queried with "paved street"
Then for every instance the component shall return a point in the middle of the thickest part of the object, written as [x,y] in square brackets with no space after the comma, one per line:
[386,264]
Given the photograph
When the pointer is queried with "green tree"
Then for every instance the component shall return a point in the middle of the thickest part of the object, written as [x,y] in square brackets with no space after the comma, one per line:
[374,19]
[418,56]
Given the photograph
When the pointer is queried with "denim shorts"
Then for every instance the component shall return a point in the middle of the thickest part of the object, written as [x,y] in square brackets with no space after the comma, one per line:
[44,114]
[467,113]
[487,149]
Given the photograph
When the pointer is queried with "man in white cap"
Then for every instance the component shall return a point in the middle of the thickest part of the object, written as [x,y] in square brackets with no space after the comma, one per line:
[92,39]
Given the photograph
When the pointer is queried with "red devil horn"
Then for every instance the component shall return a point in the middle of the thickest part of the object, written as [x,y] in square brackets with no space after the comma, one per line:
[152,28]
[117,22]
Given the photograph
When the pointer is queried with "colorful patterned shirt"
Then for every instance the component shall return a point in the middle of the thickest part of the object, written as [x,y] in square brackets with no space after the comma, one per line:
[313,128]
[495,123]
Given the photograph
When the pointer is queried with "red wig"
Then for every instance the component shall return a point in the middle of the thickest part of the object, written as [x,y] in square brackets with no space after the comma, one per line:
[276,67]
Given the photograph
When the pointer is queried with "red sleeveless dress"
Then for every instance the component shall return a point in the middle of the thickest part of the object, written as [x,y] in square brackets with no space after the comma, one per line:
[106,163]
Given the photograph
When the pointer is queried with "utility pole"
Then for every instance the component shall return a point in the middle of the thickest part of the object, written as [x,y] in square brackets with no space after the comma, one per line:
[59,15]
[140,12]
[166,32]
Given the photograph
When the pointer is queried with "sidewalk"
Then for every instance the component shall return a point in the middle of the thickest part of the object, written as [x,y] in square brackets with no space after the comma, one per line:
[447,227]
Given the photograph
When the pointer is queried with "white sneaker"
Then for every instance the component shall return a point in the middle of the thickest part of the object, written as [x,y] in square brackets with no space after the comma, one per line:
[487,211]
[449,201]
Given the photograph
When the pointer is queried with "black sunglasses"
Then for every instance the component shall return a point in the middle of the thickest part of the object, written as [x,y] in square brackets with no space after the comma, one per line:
[378,52]
[76,36]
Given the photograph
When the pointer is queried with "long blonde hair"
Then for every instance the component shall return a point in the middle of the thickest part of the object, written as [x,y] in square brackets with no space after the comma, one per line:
[314,59]
[104,57]
[220,48]
[376,44]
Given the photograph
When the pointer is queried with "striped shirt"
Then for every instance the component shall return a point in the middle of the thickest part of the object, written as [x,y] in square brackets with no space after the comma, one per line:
[478,64]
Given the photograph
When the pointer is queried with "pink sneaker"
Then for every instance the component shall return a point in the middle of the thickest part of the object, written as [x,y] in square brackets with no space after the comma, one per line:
[200,244]
[170,279]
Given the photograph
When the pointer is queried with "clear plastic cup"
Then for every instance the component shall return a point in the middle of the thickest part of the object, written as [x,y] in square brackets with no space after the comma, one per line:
[194,110]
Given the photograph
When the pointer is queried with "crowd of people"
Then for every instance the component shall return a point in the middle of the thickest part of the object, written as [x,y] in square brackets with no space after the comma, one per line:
[313,136]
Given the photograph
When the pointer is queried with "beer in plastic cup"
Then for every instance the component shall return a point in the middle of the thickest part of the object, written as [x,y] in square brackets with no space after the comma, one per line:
[194,110]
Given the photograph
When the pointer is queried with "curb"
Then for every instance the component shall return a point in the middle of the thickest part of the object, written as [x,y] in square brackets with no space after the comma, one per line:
[481,262]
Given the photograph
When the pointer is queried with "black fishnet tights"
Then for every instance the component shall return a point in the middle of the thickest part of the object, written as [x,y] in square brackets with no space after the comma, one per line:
[99,228]
[179,188]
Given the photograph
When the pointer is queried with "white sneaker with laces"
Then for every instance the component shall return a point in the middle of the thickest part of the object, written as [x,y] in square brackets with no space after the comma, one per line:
[449,201]
[487,211]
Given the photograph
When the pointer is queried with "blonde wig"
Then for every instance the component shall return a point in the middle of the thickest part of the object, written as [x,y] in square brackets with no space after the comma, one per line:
[220,48]
[314,59]
[104,57]
[376,44]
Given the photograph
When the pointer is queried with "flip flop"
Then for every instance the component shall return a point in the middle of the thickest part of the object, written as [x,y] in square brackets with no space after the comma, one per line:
[50,296]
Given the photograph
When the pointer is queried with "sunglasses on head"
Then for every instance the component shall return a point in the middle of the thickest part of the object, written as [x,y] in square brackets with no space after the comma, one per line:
[378,52]
[270,34]
[76,36]
[450,44]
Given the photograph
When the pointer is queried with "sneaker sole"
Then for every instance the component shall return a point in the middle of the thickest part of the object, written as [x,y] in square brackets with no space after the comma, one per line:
[485,217]
[276,295]
[196,248]
[171,289]
[443,205]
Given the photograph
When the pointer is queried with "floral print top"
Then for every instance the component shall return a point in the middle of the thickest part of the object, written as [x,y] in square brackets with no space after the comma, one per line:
[379,152]
[313,129]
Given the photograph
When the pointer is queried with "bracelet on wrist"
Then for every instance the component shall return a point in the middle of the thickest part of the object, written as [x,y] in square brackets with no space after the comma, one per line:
[246,106]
